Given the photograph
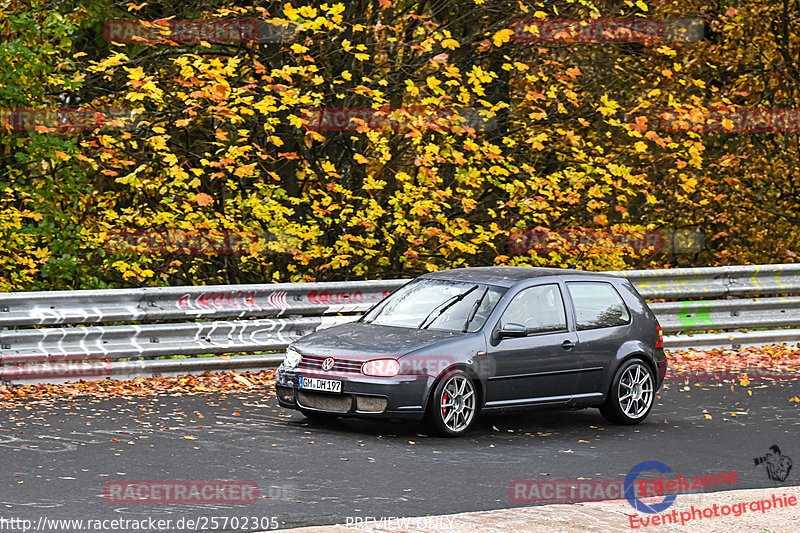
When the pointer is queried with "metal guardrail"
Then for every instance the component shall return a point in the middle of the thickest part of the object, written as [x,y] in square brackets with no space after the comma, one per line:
[190,303]
[732,340]
[703,315]
[716,282]
[269,317]
[154,340]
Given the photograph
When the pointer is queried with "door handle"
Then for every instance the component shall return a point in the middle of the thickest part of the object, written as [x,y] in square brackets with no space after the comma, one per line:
[568,344]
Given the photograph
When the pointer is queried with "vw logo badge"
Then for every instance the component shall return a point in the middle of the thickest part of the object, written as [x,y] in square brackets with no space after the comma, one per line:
[327,364]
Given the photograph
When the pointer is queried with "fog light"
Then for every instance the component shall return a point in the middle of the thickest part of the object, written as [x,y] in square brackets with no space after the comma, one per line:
[285,393]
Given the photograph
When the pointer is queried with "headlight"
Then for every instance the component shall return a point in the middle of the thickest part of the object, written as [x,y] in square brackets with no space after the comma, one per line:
[384,368]
[292,358]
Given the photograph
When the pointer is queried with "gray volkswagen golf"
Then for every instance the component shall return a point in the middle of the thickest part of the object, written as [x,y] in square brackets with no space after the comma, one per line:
[452,344]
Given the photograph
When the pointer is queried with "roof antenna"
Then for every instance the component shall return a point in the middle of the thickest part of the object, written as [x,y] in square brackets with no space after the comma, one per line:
[575,264]
[580,255]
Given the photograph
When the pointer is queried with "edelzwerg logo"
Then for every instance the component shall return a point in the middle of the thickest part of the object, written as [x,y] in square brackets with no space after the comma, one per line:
[777,465]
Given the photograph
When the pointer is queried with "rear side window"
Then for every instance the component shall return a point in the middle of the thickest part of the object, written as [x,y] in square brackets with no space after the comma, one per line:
[540,309]
[597,305]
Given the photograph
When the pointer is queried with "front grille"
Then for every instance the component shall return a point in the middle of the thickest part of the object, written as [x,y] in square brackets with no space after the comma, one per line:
[344,366]
[326,402]
[371,404]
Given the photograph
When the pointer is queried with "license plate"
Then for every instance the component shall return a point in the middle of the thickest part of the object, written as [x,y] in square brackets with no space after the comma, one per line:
[326,385]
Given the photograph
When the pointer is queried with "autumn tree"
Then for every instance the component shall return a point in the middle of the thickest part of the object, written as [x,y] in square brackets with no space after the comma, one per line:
[387,138]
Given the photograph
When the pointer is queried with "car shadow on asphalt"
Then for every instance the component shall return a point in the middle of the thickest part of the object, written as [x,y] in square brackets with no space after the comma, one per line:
[536,422]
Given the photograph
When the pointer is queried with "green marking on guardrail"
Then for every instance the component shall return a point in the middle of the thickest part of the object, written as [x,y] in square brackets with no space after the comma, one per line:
[688,318]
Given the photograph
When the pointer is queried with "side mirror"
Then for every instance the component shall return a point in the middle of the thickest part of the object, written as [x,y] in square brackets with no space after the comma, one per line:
[513,330]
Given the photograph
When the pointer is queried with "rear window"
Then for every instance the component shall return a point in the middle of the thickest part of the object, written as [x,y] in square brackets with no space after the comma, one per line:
[597,305]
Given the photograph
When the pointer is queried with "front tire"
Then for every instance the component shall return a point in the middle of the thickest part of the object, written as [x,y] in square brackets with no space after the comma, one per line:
[632,394]
[453,405]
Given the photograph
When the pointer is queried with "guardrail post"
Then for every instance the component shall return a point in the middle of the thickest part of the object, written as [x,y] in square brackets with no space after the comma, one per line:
[730,281]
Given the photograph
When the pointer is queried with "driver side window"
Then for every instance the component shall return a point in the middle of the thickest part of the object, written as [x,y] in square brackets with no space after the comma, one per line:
[540,309]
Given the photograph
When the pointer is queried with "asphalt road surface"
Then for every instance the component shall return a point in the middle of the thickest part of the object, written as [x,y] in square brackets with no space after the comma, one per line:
[57,456]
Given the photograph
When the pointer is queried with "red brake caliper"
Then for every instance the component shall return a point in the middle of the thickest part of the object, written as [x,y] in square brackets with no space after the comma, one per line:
[444,402]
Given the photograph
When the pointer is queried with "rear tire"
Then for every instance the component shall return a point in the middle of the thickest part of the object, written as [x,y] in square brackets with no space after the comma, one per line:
[632,394]
[453,405]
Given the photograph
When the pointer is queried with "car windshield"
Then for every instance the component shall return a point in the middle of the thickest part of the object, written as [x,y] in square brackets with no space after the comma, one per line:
[437,304]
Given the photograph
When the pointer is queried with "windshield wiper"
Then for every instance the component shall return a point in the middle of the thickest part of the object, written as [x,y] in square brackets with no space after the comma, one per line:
[474,310]
[447,304]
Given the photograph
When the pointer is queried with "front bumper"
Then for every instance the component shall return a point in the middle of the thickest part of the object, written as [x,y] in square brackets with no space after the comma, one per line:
[361,396]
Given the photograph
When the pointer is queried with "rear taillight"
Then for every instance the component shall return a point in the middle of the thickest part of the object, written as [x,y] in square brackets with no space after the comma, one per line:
[660,342]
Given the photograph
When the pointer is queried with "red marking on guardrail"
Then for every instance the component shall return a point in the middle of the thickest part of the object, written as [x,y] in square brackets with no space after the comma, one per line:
[336,298]
[219,300]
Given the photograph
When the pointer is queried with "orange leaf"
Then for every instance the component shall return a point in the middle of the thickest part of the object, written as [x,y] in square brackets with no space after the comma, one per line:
[203,199]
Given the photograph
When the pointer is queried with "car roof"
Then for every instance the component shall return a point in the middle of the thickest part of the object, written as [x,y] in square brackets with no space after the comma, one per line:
[507,276]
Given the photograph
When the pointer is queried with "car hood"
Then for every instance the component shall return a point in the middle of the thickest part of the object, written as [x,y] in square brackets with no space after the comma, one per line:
[359,340]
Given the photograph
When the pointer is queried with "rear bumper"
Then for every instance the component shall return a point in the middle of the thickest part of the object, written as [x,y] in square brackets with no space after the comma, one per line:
[661,364]
[361,396]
